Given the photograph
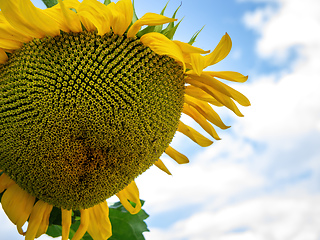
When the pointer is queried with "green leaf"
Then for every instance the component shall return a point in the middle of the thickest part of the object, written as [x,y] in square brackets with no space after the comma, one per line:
[55,216]
[125,226]
[50,3]
[193,38]
[54,231]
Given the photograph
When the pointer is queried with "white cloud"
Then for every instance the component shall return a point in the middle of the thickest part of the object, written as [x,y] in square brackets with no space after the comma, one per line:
[296,23]
[287,106]
[265,218]
[259,18]
[196,183]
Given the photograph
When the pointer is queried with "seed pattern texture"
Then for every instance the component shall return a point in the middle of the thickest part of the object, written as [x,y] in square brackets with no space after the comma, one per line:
[82,115]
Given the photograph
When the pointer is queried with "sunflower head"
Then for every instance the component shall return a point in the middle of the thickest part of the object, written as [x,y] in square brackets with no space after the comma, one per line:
[88,102]
[87,115]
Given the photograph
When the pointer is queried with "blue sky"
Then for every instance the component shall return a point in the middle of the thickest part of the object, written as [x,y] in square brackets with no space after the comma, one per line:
[261,181]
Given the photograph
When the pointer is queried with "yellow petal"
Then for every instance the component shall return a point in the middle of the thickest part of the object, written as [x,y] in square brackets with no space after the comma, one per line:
[228,75]
[205,78]
[84,224]
[237,96]
[45,221]
[122,13]
[65,223]
[88,21]
[11,12]
[125,6]
[71,4]
[5,182]
[225,100]
[161,166]
[17,204]
[177,156]
[201,95]
[96,13]
[210,81]
[72,20]
[187,48]
[130,193]
[9,44]
[100,226]
[3,59]
[39,220]
[8,32]
[55,12]
[161,45]
[194,135]
[150,19]
[201,120]
[205,110]
[41,21]
[197,63]
[8,50]
[220,52]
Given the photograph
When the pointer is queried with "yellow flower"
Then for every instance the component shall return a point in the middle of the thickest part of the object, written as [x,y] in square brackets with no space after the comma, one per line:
[88,102]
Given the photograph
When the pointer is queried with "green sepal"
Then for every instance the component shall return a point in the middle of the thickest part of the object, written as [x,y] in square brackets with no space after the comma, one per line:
[134,17]
[158,28]
[124,224]
[170,30]
[145,31]
[169,34]
[193,38]
[162,11]
[50,3]
[106,2]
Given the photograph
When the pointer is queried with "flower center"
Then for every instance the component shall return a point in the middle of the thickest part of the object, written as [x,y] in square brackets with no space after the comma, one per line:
[82,115]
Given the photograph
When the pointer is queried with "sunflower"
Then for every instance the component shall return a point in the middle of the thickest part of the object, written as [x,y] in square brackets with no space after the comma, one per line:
[89,101]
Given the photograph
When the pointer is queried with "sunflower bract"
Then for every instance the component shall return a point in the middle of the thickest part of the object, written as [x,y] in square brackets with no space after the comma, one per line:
[82,115]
